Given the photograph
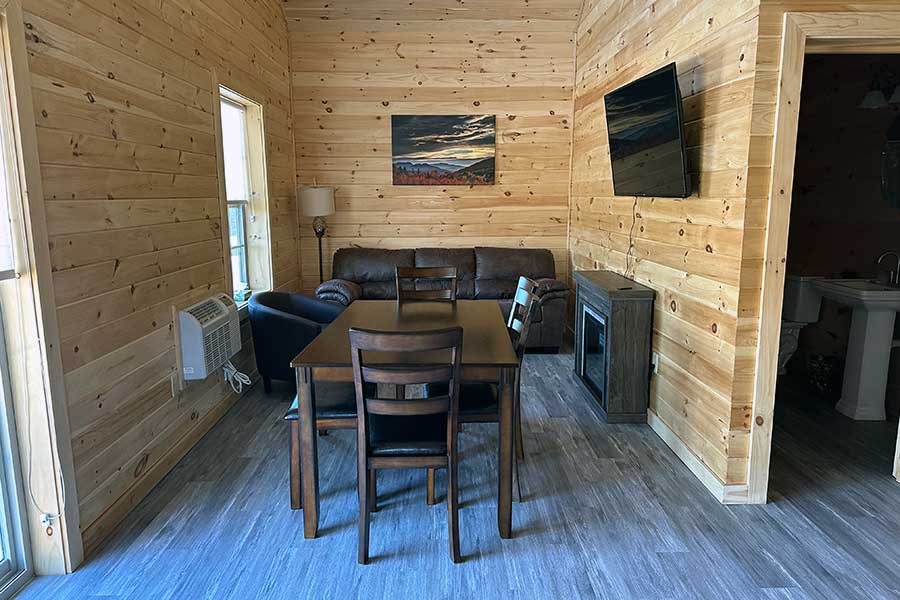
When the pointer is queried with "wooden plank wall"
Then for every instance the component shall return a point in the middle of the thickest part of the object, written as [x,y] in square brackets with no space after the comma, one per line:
[123,95]
[354,63]
[690,251]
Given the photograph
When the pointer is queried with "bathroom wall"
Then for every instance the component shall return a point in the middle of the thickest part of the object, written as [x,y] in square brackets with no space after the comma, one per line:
[839,220]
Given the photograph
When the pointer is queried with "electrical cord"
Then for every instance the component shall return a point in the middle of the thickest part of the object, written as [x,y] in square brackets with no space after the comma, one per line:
[235,378]
[630,259]
[24,375]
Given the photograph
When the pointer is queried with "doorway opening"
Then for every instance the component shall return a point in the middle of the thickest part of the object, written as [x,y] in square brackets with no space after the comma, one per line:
[838,389]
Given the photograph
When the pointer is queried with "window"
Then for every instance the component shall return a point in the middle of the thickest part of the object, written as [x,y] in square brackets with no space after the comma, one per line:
[246,200]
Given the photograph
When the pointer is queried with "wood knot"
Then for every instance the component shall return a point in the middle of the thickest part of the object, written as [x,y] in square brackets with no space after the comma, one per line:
[142,464]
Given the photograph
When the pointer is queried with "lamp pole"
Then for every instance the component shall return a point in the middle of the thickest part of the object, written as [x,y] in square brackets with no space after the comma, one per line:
[319,228]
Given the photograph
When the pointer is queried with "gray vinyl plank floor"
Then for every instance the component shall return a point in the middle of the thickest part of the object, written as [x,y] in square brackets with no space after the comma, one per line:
[608,512]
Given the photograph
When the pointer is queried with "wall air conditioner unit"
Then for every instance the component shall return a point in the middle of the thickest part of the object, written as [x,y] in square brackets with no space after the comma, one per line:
[210,333]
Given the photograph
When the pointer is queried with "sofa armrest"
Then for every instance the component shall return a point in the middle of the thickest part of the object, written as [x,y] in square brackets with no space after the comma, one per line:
[548,289]
[339,290]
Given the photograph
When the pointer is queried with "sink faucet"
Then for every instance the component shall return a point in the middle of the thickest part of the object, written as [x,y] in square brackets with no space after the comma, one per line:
[895,275]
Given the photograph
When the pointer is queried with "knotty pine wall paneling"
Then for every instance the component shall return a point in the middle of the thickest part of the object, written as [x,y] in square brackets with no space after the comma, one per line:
[690,251]
[123,94]
[355,63]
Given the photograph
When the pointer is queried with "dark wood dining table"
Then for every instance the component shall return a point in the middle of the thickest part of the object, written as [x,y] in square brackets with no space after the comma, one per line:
[487,356]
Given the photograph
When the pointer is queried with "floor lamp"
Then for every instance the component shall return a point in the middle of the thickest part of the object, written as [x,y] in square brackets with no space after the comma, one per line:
[317,202]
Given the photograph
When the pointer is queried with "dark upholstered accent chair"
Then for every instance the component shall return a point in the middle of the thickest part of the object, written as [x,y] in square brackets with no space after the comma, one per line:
[283,324]
[482,273]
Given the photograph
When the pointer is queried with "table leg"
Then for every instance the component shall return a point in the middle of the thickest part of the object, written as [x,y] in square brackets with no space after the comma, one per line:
[309,460]
[506,454]
[294,432]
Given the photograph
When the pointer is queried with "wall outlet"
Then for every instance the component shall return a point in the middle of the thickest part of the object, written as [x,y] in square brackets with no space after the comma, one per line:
[654,360]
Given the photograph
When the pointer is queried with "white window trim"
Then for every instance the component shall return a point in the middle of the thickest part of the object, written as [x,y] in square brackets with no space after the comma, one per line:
[43,436]
[257,229]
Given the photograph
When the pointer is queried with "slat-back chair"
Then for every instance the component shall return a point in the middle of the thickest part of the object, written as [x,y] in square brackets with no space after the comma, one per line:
[417,275]
[408,432]
[443,289]
[519,319]
[479,402]
[518,324]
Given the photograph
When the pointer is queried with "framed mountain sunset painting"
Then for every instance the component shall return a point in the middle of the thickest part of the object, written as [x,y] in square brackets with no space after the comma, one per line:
[443,150]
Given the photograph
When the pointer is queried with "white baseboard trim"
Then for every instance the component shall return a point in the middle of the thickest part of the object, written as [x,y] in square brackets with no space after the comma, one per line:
[726,494]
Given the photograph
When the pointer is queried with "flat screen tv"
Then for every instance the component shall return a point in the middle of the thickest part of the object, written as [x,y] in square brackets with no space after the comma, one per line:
[646,143]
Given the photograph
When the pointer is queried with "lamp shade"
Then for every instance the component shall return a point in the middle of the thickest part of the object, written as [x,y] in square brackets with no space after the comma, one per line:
[317,201]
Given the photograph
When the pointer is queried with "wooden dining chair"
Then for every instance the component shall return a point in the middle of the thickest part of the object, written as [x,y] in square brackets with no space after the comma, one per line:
[397,433]
[426,283]
[480,402]
[435,284]
[518,324]
[335,409]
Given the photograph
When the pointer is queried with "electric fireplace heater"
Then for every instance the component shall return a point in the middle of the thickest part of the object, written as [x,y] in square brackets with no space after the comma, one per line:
[612,343]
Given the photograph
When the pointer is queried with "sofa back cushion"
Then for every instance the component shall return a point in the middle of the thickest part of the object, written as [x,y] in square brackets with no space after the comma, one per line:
[379,290]
[509,263]
[367,265]
[461,258]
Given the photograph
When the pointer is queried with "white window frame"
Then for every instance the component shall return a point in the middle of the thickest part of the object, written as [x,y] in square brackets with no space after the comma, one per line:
[16,568]
[51,541]
[256,238]
[16,565]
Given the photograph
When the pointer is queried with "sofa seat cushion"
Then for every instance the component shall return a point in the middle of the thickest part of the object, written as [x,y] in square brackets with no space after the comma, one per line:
[370,264]
[495,289]
[421,435]
[510,263]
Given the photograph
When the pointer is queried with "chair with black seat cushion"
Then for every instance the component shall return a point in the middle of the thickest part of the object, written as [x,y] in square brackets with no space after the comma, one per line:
[479,402]
[425,283]
[283,324]
[409,432]
[335,409]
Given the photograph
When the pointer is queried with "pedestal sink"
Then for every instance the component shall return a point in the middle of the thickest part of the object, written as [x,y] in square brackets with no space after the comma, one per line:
[875,306]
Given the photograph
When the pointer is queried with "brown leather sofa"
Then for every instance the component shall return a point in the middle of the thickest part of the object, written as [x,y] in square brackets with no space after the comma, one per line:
[483,273]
